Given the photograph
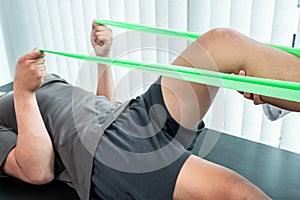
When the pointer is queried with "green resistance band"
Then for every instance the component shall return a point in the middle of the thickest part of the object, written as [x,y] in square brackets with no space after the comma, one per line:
[267,87]
[176,33]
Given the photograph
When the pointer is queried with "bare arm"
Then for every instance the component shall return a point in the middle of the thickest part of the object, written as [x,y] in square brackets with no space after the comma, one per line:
[32,160]
[101,39]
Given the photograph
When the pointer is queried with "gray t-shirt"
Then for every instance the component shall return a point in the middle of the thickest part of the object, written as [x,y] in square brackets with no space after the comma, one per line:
[75,120]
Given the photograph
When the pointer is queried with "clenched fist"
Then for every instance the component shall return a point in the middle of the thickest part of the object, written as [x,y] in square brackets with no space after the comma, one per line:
[30,72]
[101,39]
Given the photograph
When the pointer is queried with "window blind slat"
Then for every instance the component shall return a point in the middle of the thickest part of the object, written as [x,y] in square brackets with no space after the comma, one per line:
[240,17]
[199,15]
[161,13]
[147,16]
[262,20]
[290,130]
[134,43]
[177,11]
[285,15]
[117,12]
[47,36]
[5,75]
[270,132]
[220,13]
[66,23]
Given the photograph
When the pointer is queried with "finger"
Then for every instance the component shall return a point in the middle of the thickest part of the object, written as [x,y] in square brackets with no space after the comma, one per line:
[248,95]
[103,36]
[257,99]
[242,73]
[95,24]
[35,54]
[102,33]
[95,34]
[102,28]
[98,26]
[241,92]
[43,74]
[39,61]
[103,40]
[41,67]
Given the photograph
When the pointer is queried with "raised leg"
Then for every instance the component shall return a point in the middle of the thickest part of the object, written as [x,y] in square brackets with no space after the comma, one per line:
[226,51]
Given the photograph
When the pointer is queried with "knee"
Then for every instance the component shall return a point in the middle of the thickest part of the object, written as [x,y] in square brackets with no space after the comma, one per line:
[218,37]
[220,34]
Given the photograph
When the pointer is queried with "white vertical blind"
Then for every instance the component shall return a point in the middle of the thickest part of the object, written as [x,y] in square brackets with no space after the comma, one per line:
[161,13]
[220,13]
[133,15]
[177,11]
[65,25]
[148,41]
[5,75]
[290,139]
[199,15]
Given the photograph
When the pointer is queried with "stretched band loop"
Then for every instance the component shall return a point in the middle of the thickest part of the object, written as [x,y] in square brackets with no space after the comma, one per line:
[177,34]
[268,87]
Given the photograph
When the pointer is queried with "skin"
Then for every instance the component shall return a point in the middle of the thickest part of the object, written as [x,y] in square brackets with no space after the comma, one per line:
[33,144]
[256,98]
[101,40]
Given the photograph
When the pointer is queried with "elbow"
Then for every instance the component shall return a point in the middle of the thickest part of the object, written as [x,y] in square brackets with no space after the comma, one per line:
[40,178]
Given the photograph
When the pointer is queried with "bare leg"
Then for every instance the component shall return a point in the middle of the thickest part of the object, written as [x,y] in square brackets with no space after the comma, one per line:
[226,51]
[188,103]
[200,179]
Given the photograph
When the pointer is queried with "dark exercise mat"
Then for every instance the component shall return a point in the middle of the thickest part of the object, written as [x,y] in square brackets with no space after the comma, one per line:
[275,171]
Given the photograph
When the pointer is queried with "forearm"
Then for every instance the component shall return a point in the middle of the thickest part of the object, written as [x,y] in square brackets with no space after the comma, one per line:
[34,152]
[106,86]
[287,105]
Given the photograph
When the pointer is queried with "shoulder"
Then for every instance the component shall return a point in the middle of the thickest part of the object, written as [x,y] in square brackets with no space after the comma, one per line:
[52,78]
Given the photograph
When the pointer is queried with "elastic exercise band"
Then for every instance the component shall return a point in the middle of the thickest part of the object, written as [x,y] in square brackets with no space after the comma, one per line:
[176,34]
[267,87]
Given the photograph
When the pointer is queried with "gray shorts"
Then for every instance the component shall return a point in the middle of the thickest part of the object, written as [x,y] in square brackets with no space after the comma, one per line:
[141,153]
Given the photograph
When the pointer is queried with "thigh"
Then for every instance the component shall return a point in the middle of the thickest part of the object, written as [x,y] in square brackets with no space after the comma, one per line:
[201,179]
[188,102]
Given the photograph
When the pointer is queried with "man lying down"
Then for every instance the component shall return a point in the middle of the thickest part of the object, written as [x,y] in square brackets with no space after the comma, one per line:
[50,129]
